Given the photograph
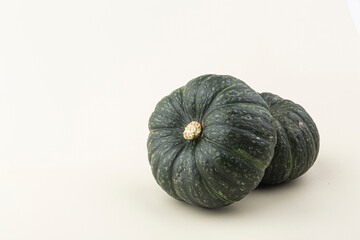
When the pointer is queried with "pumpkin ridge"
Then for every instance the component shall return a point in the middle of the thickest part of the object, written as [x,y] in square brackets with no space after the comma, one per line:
[298,135]
[177,120]
[153,150]
[185,116]
[278,106]
[311,132]
[200,80]
[211,193]
[156,148]
[223,172]
[212,100]
[244,131]
[214,194]
[313,146]
[258,164]
[241,104]
[182,98]
[292,161]
[172,190]
[268,96]
[182,114]
[172,173]
[306,124]
[208,188]
[174,144]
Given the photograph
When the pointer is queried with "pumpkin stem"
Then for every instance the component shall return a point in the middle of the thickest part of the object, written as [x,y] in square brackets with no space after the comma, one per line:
[192,130]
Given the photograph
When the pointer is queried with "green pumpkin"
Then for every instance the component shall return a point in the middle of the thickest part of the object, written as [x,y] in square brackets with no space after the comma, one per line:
[297,140]
[211,141]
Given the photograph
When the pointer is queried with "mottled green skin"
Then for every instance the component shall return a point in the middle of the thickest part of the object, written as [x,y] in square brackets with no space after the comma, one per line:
[228,160]
[297,140]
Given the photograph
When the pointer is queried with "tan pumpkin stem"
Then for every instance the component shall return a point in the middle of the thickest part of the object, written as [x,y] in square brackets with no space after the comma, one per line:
[192,130]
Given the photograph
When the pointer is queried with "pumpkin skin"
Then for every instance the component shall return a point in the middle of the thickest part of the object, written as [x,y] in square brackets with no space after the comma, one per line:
[298,140]
[228,158]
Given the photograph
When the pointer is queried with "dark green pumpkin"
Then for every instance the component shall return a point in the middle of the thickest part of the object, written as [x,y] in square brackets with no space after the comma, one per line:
[227,157]
[297,140]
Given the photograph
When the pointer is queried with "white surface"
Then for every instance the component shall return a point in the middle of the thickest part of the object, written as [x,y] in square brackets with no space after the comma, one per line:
[354,6]
[79,79]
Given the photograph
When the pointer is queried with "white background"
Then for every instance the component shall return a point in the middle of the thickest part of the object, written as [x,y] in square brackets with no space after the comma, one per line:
[79,80]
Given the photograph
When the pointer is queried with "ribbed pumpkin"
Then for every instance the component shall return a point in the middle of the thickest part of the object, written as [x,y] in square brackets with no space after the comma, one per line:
[210,141]
[297,140]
